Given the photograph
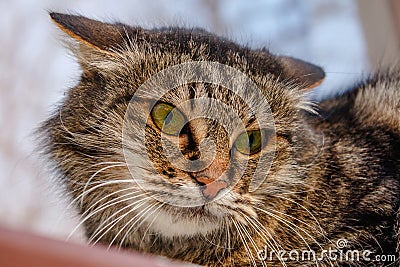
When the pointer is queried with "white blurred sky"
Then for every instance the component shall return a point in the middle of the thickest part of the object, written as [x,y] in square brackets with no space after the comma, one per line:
[36,70]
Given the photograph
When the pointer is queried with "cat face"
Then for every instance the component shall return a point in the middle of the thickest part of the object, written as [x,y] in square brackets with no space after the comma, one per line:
[203,144]
[176,157]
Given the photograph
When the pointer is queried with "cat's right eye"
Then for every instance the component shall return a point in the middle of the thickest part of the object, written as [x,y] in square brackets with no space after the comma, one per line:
[168,118]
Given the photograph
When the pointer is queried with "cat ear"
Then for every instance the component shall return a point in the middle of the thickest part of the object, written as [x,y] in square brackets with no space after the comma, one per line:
[92,33]
[306,73]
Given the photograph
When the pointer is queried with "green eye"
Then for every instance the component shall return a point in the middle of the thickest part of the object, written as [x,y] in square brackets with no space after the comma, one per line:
[250,142]
[168,118]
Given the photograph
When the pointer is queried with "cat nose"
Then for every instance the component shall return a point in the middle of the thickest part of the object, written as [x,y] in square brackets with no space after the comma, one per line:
[209,187]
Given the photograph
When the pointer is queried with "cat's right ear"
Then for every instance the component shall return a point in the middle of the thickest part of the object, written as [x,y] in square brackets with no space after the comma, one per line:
[94,34]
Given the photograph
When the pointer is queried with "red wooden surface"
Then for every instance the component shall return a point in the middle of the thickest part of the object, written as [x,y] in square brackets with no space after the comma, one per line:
[22,249]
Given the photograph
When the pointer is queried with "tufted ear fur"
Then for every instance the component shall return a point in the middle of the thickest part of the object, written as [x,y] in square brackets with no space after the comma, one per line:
[94,43]
[306,73]
[92,33]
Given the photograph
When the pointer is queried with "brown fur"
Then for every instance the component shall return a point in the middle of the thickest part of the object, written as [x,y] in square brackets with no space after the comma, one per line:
[334,175]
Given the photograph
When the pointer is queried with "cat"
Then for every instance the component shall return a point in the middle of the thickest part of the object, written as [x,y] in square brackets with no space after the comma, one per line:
[330,181]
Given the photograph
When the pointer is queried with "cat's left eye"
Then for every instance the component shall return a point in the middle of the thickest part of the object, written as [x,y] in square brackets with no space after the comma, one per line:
[251,142]
[168,118]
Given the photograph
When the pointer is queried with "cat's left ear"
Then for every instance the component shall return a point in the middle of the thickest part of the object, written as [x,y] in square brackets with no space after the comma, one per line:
[307,74]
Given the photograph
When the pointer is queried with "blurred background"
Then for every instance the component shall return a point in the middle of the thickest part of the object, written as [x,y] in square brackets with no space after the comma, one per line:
[348,38]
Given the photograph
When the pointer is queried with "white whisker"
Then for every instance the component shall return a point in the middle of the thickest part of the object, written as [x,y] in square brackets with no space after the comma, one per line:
[256,225]
[158,206]
[248,251]
[94,175]
[111,224]
[104,206]
[293,227]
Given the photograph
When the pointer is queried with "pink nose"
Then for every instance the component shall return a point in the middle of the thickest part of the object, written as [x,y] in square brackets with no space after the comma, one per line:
[211,187]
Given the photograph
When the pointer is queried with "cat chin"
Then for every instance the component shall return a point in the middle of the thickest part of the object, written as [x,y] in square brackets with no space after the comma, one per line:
[186,222]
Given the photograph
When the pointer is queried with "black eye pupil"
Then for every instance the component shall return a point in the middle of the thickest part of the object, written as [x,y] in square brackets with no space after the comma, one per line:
[251,138]
[168,119]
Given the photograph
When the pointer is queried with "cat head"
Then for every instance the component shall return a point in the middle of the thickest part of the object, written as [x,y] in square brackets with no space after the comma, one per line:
[168,128]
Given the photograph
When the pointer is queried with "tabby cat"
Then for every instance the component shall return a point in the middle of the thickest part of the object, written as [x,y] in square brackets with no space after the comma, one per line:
[328,176]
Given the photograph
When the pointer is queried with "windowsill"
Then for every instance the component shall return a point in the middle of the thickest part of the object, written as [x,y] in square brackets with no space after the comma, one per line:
[21,249]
